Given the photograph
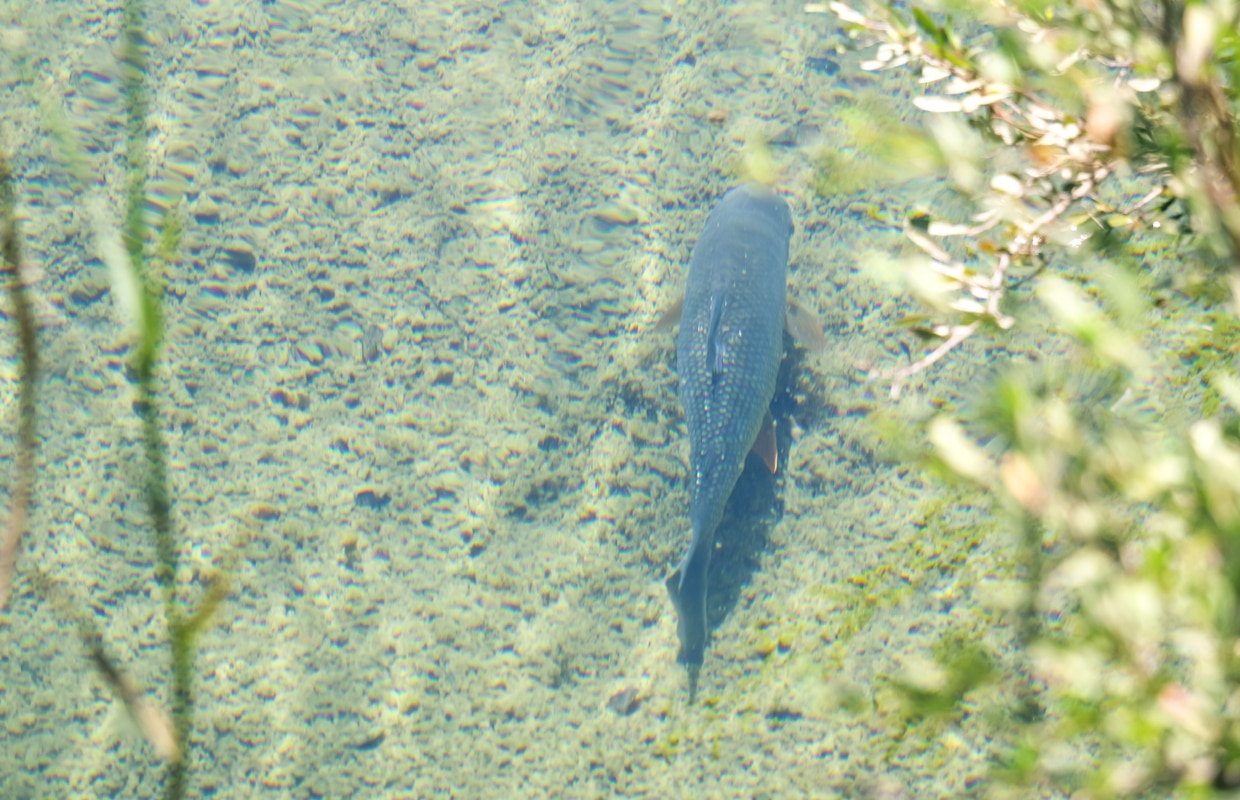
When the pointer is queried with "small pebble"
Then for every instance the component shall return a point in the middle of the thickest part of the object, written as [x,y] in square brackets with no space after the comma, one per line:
[372,344]
[625,701]
[368,498]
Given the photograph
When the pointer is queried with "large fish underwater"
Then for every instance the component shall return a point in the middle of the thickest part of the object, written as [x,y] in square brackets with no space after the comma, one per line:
[728,352]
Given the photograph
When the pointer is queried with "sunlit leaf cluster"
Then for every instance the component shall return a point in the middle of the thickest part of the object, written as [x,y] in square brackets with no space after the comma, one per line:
[1066,126]
[1132,543]
[1060,125]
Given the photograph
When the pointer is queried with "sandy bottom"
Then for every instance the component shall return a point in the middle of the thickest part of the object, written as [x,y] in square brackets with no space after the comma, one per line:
[417,414]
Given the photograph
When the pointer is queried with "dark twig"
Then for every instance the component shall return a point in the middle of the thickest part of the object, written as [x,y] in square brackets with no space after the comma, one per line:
[28,364]
[151,718]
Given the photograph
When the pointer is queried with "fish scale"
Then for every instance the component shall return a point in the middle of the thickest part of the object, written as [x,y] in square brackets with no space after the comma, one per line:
[727,358]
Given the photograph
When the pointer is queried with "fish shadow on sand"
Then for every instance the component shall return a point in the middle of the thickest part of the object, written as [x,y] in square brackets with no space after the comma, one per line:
[755,505]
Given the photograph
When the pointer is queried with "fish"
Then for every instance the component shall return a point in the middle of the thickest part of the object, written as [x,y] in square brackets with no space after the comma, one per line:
[728,351]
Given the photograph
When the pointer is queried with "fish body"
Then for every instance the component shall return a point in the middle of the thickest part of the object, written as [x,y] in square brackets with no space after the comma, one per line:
[727,359]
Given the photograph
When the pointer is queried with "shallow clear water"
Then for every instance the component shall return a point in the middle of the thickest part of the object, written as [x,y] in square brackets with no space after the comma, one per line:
[417,412]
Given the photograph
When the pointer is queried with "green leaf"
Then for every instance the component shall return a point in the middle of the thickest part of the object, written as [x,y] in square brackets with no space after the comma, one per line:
[927,25]
[949,35]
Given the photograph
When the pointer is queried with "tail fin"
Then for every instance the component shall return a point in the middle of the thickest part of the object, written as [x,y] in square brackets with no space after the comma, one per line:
[687,588]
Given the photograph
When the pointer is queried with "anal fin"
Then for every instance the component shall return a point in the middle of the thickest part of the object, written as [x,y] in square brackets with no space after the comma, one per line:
[766,446]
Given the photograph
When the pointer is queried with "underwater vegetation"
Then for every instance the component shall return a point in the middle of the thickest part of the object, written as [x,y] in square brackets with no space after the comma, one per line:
[132,262]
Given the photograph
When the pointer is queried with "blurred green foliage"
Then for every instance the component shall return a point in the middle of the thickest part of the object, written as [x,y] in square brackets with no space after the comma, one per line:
[1069,128]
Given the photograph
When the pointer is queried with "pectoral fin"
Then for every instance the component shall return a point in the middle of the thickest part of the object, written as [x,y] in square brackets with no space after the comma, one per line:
[804,327]
[671,317]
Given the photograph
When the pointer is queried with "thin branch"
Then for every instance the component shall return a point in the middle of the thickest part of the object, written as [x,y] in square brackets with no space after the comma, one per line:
[1061,205]
[151,718]
[992,294]
[958,335]
[1153,195]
